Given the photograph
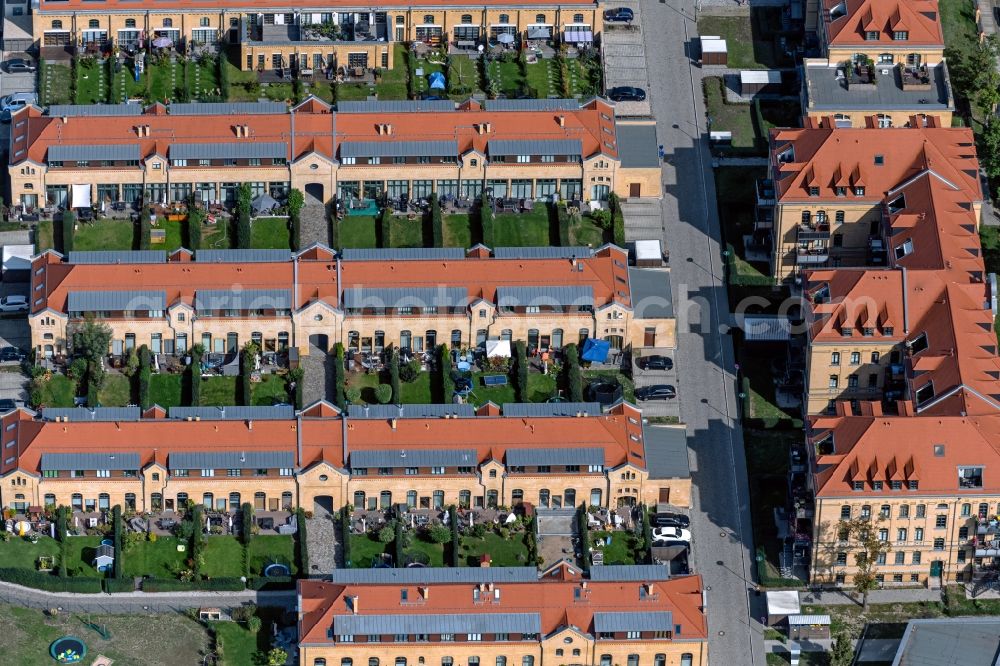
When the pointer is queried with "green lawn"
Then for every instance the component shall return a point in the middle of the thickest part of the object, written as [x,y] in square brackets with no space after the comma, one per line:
[735,118]
[509,552]
[463,75]
[44,239]
[124,85]
[524,229]
[20,553]
[540,388]
[239,644]
[55,82]
[353,92]
[357,231]
[270,232]
[268,549]
[223,557]
[166,79]
[91,81]
[81,556]
[509,74]
[116,391]
[747,50]
[178,639]
[425,552]
[58,391]
[165,390]
[159,559]
[404,232]
[202,78]
[270,390]
[621,550]
[365,550]
[543,78]
[735,192]
[417,392]
[278,92]
[585,232]
[457,230]
[421,83]
[104,235]
[756,367]
[243,86]
[393,82]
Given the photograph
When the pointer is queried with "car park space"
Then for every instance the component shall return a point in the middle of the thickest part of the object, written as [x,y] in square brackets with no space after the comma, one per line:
[625,58]
[653,370]
[671,544]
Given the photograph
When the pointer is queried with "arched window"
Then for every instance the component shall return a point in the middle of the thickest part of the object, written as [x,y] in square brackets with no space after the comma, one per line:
[400,661]
[182,499]
[77,501]
[504,18]
[557,338]
[584,334]
[845,512]
[492,498]
[50,500]
[507,334]
[595,497]
[464,499]
[838,217]
[456,338]
[431,337]
[286,500]
[633,660]
[501,661]
[405,339]
[384,499]
[438,499]
[806,217]
[400,20]
[156,501]
[372,661]
[528,660]
[359,499]
[57,25]
[569,497]
[168,23]
[660,660]
[532,338]
[234,501]
[129,23]
[687,659]
[516,496]
[207,500]
[411,499]
[104,501]
[204,22]
[346,661]
[466,18]
[259,500]
[539,18]
[966,510]
[93,23]
[428,19]
[352,339]
[577,18]
[983,510]
[543,497]
[319,661]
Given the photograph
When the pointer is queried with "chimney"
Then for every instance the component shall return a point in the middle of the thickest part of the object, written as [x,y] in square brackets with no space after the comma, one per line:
[380,128]
[354,604]
[425,592]
[249,424]
[239,130]
[480,128]
[392,422]
[388,128]
[561,120]
[489,127]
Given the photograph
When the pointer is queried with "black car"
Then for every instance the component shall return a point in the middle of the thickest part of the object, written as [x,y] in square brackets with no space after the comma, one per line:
[11,354]
[656,362]
[18,66]
[656,392]
[626,94]
[672,520]
[7,406]
[619,15]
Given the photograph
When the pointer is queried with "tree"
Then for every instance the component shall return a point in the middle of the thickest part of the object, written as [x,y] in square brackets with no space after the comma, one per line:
[276,657]
[394,375]
[399,544]
[521,371]
[91,339]
[437,230]
[486,220]
[456,538]
[989,148]
[194,375]
[145,228]
[196,218]
[986,80]
[386,534]
[339,375]
[116,522]
[246,523]
[574,376]
[439,533]
[243,200]
[296,386]
[383,393]
[253,624]
[295,203]
[843,650]
[145,375]
[68,230]
[353,395]
[863,534]
[248,357]
[445,380]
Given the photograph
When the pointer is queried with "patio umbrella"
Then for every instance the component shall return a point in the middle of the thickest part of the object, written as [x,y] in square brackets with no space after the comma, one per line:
[263,203]
[163,42]
[505,38]
[436,81]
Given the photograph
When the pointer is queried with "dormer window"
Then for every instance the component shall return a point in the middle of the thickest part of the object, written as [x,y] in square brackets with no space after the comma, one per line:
[840,191]
[970,477]
[900,35]
[880,159]
[813,191]
[859,191]
[867,332]
[871,35]
[887,330]
[838,12]
[924,393]
[897,204]
[787,155]
[903,249]
[846,331]
[918,344]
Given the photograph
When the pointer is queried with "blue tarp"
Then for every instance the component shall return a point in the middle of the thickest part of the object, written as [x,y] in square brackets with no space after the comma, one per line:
[436,80]
[595,351]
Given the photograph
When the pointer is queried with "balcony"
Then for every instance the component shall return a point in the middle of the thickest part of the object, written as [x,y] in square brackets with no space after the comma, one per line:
[809,233]
[765,192]
[812,255]
[915,78]
[875,88]
[298,33]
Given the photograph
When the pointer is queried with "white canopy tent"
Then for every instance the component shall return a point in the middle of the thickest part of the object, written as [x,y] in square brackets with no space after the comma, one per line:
[498,348]
[81,196]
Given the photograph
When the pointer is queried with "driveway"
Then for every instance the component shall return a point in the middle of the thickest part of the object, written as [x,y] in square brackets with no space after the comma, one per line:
[625,59]
[668,408]
[720,517]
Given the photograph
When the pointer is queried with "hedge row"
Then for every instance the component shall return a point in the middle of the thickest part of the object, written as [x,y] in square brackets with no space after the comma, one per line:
[174,585]
[50,583]
[301,543]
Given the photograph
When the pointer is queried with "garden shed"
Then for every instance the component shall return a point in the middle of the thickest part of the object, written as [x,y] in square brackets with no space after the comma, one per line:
[714,51]
[104,557]
[759,81]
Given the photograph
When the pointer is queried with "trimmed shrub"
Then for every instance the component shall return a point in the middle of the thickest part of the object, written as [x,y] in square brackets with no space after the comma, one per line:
[50,583]
[456,538]
[243,199]
[399,545]
[145,228]
[486,220]
[196,218]
[394,375]
[382,224]
[116,586]
[68,227]
[437,225]
[617,219]
[444,379]
[573,374]
[193,375]
[246,523]
[197,536]
[296,386]
[221,61]
[563,218]
[582,530]
[345,534]
[339,375]
[116,522]
[301,543]
[520,371]
[145,372]
[295,202]
[246,370]
[175,585]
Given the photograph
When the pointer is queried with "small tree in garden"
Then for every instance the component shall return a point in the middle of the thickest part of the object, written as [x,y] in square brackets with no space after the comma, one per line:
[194,375]
[383,393]
[68,227]
[394,374]
[145,228]
[521,371]
[195,219]
[296,386]
[145,377]
[574,376]
[862,534]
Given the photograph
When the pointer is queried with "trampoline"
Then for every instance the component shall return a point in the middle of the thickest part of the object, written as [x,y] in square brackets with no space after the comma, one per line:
[277,569]
[68,650]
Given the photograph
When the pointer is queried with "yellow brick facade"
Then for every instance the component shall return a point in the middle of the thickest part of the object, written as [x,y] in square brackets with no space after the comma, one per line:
[831,366]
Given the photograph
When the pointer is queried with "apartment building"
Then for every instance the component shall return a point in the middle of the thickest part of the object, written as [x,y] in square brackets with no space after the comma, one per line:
[831,190]
[924,479]
[634,615]
[533,149]
[414,299]
[316,38]
[551,455]
[883,63]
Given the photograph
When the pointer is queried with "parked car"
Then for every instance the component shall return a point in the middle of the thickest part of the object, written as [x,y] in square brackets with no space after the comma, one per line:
[13,304]
[18,66]
[671,520]
[656,392]
[7,405]
[671,534]
[11,104]
[655,362]
[619,15]
[8,354]
[626,94]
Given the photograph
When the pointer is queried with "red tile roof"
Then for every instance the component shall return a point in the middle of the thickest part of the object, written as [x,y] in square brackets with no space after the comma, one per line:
[920,18]
[61,6]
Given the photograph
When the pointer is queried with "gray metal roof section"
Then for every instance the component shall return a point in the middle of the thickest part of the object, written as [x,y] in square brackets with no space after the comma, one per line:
[543,252]
[397,297]
[234,413]
[399,149]
[526,409]
[428,575]
[242,256]
[626,621]
[115,301]
[227,108]
[499,621]
[104,550]
[535,147]
[210,300]
[88,461]
[78,110]
[396,106]
[94,152]
[969,641]
[824,90]
[651,297]
[232,460]
[403,254]
[546,295]
[232,150]
[555,456]
[532,104]
[637,146]
[78,414]
[666,452]
[414,458]
[630,572]
[808,619]
[118,257]
[415,411]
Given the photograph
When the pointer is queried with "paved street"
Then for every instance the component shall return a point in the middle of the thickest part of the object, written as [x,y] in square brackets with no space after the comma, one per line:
[723,537]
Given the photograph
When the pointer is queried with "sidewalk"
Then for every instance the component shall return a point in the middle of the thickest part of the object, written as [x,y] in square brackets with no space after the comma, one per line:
[841,597]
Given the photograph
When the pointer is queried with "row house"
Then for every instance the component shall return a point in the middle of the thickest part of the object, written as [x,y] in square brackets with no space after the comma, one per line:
[557,455]
[94,156]
[366,300]
[635,615]
[308,39]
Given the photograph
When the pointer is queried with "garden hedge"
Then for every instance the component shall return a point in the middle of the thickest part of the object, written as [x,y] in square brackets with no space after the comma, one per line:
[50,583]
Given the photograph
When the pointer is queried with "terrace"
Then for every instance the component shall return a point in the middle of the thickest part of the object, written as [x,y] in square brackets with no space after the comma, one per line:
[877,88]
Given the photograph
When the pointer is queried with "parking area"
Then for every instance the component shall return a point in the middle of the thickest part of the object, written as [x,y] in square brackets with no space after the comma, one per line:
[657,377]
[14,83]
[625,59]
